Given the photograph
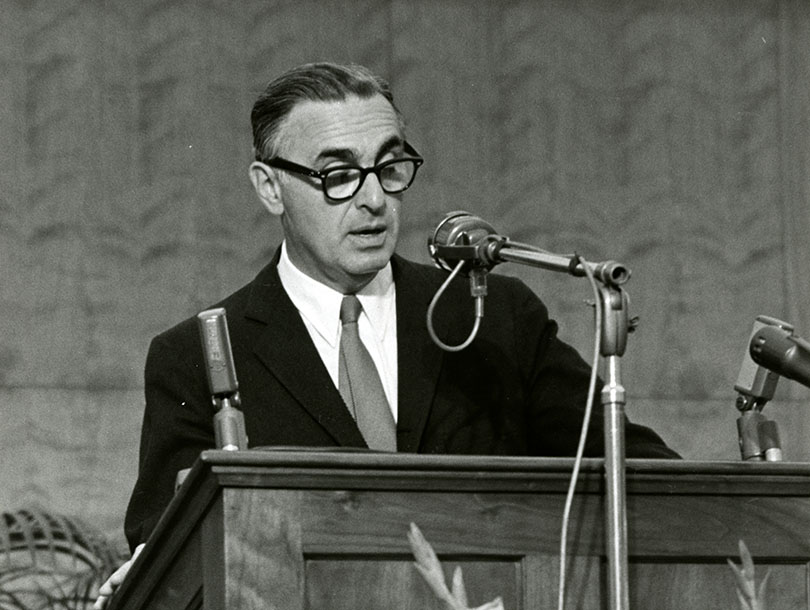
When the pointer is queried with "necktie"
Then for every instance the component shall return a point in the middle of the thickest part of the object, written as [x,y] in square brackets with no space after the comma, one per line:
[359,383]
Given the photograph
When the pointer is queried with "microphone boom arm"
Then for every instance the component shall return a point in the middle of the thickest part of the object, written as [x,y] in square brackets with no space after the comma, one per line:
[609,273]
[494,249]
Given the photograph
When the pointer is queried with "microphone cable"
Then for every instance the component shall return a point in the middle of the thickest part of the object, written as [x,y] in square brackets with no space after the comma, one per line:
[478,289]
[479,313]
[586,420]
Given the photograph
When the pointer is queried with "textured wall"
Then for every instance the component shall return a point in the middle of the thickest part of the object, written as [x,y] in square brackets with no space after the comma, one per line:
[672,136]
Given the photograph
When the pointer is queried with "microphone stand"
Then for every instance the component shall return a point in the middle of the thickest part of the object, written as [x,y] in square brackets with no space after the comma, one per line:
[494,249]
[757,435]
[615,327]
[229,423]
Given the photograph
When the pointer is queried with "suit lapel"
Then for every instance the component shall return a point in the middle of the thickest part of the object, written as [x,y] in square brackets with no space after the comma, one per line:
[419,359]
[286,349]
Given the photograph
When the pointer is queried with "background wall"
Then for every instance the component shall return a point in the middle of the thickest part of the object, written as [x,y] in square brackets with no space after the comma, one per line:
[672,136]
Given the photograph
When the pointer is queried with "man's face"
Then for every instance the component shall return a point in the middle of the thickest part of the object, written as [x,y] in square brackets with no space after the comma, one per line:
[342,245]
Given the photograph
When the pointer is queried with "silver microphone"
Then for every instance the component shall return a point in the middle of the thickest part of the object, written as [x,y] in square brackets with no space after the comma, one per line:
[229,423]
[758,436]
[216,344]
[757,383]
[782,352]
[459,236]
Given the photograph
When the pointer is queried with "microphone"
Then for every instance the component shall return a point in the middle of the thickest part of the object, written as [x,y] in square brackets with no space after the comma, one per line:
[466,243]
[460,236]
[229,423]
[758,437]
[457,238]
[782,352]
[756,383]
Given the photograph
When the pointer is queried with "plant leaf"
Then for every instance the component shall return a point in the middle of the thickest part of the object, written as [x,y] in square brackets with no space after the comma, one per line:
[427,563]
[761,592]
[495,604]
[740,580]
[749,596]
[744,574]
[744,605]
[459,592]
[747,562]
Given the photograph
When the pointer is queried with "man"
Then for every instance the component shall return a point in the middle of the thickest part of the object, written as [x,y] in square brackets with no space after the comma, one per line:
[332,163]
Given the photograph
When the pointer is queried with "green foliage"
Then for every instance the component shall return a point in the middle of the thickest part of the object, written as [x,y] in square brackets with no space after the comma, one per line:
[51,561]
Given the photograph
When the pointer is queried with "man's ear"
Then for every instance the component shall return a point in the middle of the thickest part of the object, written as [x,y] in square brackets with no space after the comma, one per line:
[266,183]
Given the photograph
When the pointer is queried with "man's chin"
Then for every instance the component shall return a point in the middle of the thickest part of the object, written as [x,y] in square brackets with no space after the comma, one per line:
[370,267]
[369,263]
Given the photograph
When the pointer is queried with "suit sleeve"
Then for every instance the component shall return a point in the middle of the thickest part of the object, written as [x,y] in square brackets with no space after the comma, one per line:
[177,426]
[558,380]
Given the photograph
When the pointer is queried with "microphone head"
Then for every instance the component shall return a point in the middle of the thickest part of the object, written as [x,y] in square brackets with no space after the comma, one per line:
[216,343]
[782,352]
[755,380]
[456,238]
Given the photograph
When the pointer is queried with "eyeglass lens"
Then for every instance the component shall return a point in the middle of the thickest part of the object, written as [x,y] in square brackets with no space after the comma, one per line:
[394,177]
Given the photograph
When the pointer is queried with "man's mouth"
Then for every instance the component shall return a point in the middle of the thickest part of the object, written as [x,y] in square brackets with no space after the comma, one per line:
[369,231]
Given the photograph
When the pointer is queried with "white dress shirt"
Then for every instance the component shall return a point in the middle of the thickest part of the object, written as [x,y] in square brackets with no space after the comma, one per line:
[319,308]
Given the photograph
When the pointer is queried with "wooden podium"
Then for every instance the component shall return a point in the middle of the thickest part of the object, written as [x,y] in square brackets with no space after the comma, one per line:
[295,530]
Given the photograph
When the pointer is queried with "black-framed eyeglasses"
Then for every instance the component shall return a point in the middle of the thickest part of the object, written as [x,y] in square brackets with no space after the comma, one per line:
[342,183]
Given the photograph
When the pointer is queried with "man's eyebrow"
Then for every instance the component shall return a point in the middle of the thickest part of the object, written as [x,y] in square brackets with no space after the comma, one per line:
[344,154]
[389,145]
[348,154]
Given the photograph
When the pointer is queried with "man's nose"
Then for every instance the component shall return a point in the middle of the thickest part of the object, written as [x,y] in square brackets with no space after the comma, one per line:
[371,194]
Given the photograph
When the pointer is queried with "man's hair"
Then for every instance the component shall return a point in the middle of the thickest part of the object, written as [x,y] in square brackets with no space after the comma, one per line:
[317,82]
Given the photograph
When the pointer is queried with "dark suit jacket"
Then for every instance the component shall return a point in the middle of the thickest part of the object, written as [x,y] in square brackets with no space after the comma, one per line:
[517,390]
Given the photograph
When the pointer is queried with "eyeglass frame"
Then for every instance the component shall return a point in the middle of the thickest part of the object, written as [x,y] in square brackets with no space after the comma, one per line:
[290,166]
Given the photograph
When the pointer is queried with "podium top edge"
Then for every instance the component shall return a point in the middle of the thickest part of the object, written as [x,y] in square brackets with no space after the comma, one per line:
[287,457]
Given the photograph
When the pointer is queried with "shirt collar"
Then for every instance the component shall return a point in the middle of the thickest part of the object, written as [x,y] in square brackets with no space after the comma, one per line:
[320,305]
